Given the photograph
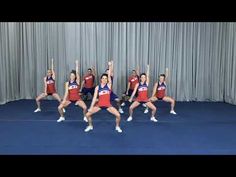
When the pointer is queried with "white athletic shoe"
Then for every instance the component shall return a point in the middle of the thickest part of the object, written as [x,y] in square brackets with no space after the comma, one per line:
[85,119]
[118,129]
[153,119]
[145,111]
[88,128]
[123,104]
[37,110]
[173,112]
[61,119]
[144,105]
[63,110]
[129,118]
[121,111]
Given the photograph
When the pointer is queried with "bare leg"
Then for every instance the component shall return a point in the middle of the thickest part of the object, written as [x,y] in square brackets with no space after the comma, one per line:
[152,107]
[89,117]
[171,101]
[41,96]
[132,107]
[57,97]
[152,99]
[123,99]
[113,111]
[61,106]
[81,104]
[118,102]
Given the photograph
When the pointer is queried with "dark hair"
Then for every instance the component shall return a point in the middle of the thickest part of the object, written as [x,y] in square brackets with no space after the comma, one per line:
[143,74]
[90,69]
[163,75]
[104,74]
[73,72]
[107,70]
[134,70]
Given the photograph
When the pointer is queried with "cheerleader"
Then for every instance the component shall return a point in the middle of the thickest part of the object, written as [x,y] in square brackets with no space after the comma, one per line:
[113,96]
[142,88]
[49,88]
[103,92]
[159,92]
[72,88]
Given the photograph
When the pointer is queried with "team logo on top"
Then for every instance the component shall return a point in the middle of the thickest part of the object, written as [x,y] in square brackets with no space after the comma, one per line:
[88,77]
[50,82]
[104,92]
[161,88]
[73,87]
[134,79]
[142,89]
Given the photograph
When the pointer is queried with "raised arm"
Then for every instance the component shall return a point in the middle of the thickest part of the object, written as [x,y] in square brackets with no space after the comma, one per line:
[147,73]
[167,74]
[77,72]
[94,70]
[109,74]
[94,75]
[94,97]
[53,72]
[111,68]
[135,90]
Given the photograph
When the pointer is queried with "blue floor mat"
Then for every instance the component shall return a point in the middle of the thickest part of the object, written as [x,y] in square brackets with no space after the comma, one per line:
[198,128]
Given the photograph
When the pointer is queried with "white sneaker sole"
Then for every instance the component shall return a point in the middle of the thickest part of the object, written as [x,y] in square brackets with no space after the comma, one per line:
[121,111]
[154,120]
[87,130]
[37,111]
[119,131]
[61,120]
[85,119]
[146,111]
[128,120]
